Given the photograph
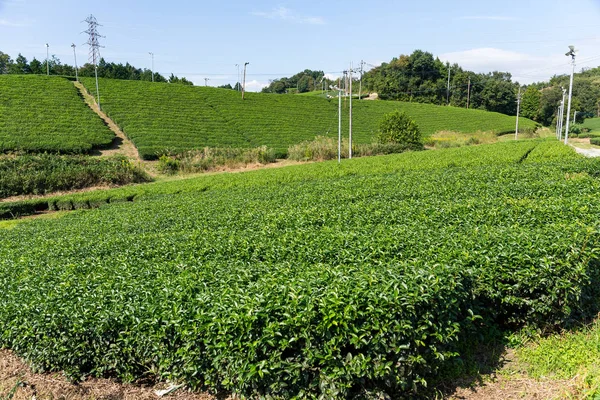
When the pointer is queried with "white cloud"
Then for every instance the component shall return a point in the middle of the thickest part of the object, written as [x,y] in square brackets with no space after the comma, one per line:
[286,14]
[13,24]
[255,86]
[525,68]
[488,18]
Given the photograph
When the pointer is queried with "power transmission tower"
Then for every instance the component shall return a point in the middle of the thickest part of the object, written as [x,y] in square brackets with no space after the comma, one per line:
[94,44]
[206,81]
[237,84]
[518,110]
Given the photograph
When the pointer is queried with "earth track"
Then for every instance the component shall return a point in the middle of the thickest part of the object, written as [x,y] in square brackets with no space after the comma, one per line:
[121,144]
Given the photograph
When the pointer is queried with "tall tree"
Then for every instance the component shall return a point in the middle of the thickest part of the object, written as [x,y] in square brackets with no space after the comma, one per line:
[531,104]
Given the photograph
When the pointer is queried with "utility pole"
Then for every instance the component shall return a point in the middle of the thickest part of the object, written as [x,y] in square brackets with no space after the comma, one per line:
[152,54]
[75,55]
[448,88]
[518,110]
[47,59]
[206,81]
[362,63]
[339,90]
[469,93]
[572,54]
[350,116]
[94,44]
[244,84]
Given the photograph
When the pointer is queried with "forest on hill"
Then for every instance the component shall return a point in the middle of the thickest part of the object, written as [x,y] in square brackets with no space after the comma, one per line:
[21,66]
[420,77]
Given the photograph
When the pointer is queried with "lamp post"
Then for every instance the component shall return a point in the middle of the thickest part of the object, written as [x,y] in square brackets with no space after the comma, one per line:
[339,121]
[75,55]
[152,55]
[570,53]
[47,59]
[244,84]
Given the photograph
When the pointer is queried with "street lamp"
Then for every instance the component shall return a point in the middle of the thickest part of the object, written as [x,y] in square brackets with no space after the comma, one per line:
[47,59]
[339,121]
[152,55]
[570,53]
[75,55]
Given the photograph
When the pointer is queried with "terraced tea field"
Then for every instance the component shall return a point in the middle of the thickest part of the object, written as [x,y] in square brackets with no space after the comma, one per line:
[316,280]
[159,117]
[40,113]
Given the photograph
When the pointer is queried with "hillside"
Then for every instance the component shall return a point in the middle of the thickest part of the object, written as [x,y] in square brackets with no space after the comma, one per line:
[228,282]
[40,113]
[161,118]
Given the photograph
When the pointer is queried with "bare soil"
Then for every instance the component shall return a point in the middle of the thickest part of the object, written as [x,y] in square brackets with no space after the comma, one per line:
[121,144]
[17,382]
[510,382]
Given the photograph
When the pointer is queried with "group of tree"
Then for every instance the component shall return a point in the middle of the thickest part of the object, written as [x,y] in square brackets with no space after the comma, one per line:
[305,81]
[541,100]
[421,77]
[20,65]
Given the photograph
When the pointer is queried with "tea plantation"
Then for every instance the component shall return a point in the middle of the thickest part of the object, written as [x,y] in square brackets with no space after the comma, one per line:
[40,113]
[313,281]
[162,118]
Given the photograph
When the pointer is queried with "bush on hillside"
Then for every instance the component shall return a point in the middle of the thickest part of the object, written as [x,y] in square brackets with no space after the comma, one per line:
[46,173]
[399,128]
[208,159]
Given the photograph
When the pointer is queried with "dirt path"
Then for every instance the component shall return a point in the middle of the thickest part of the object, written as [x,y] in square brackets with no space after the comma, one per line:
[121,144]
[588,152]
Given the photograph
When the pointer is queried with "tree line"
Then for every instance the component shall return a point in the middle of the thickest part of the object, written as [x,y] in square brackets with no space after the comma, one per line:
[21,65]
[421,77]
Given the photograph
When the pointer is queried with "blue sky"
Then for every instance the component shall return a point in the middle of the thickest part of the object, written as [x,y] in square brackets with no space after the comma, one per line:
[205,39]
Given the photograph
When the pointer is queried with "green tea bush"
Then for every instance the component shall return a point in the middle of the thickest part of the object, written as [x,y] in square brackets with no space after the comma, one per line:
[161,118]
[47,114]
[595,141]
[23,174]
[315,281]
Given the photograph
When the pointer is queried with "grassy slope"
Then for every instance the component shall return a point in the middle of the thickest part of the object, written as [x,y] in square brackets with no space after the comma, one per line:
[39,113]
[593,124]
[159,117]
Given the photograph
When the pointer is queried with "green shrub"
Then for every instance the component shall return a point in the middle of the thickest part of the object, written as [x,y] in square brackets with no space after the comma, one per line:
[398,128]
[25,174]
[595,141]
[213,158]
